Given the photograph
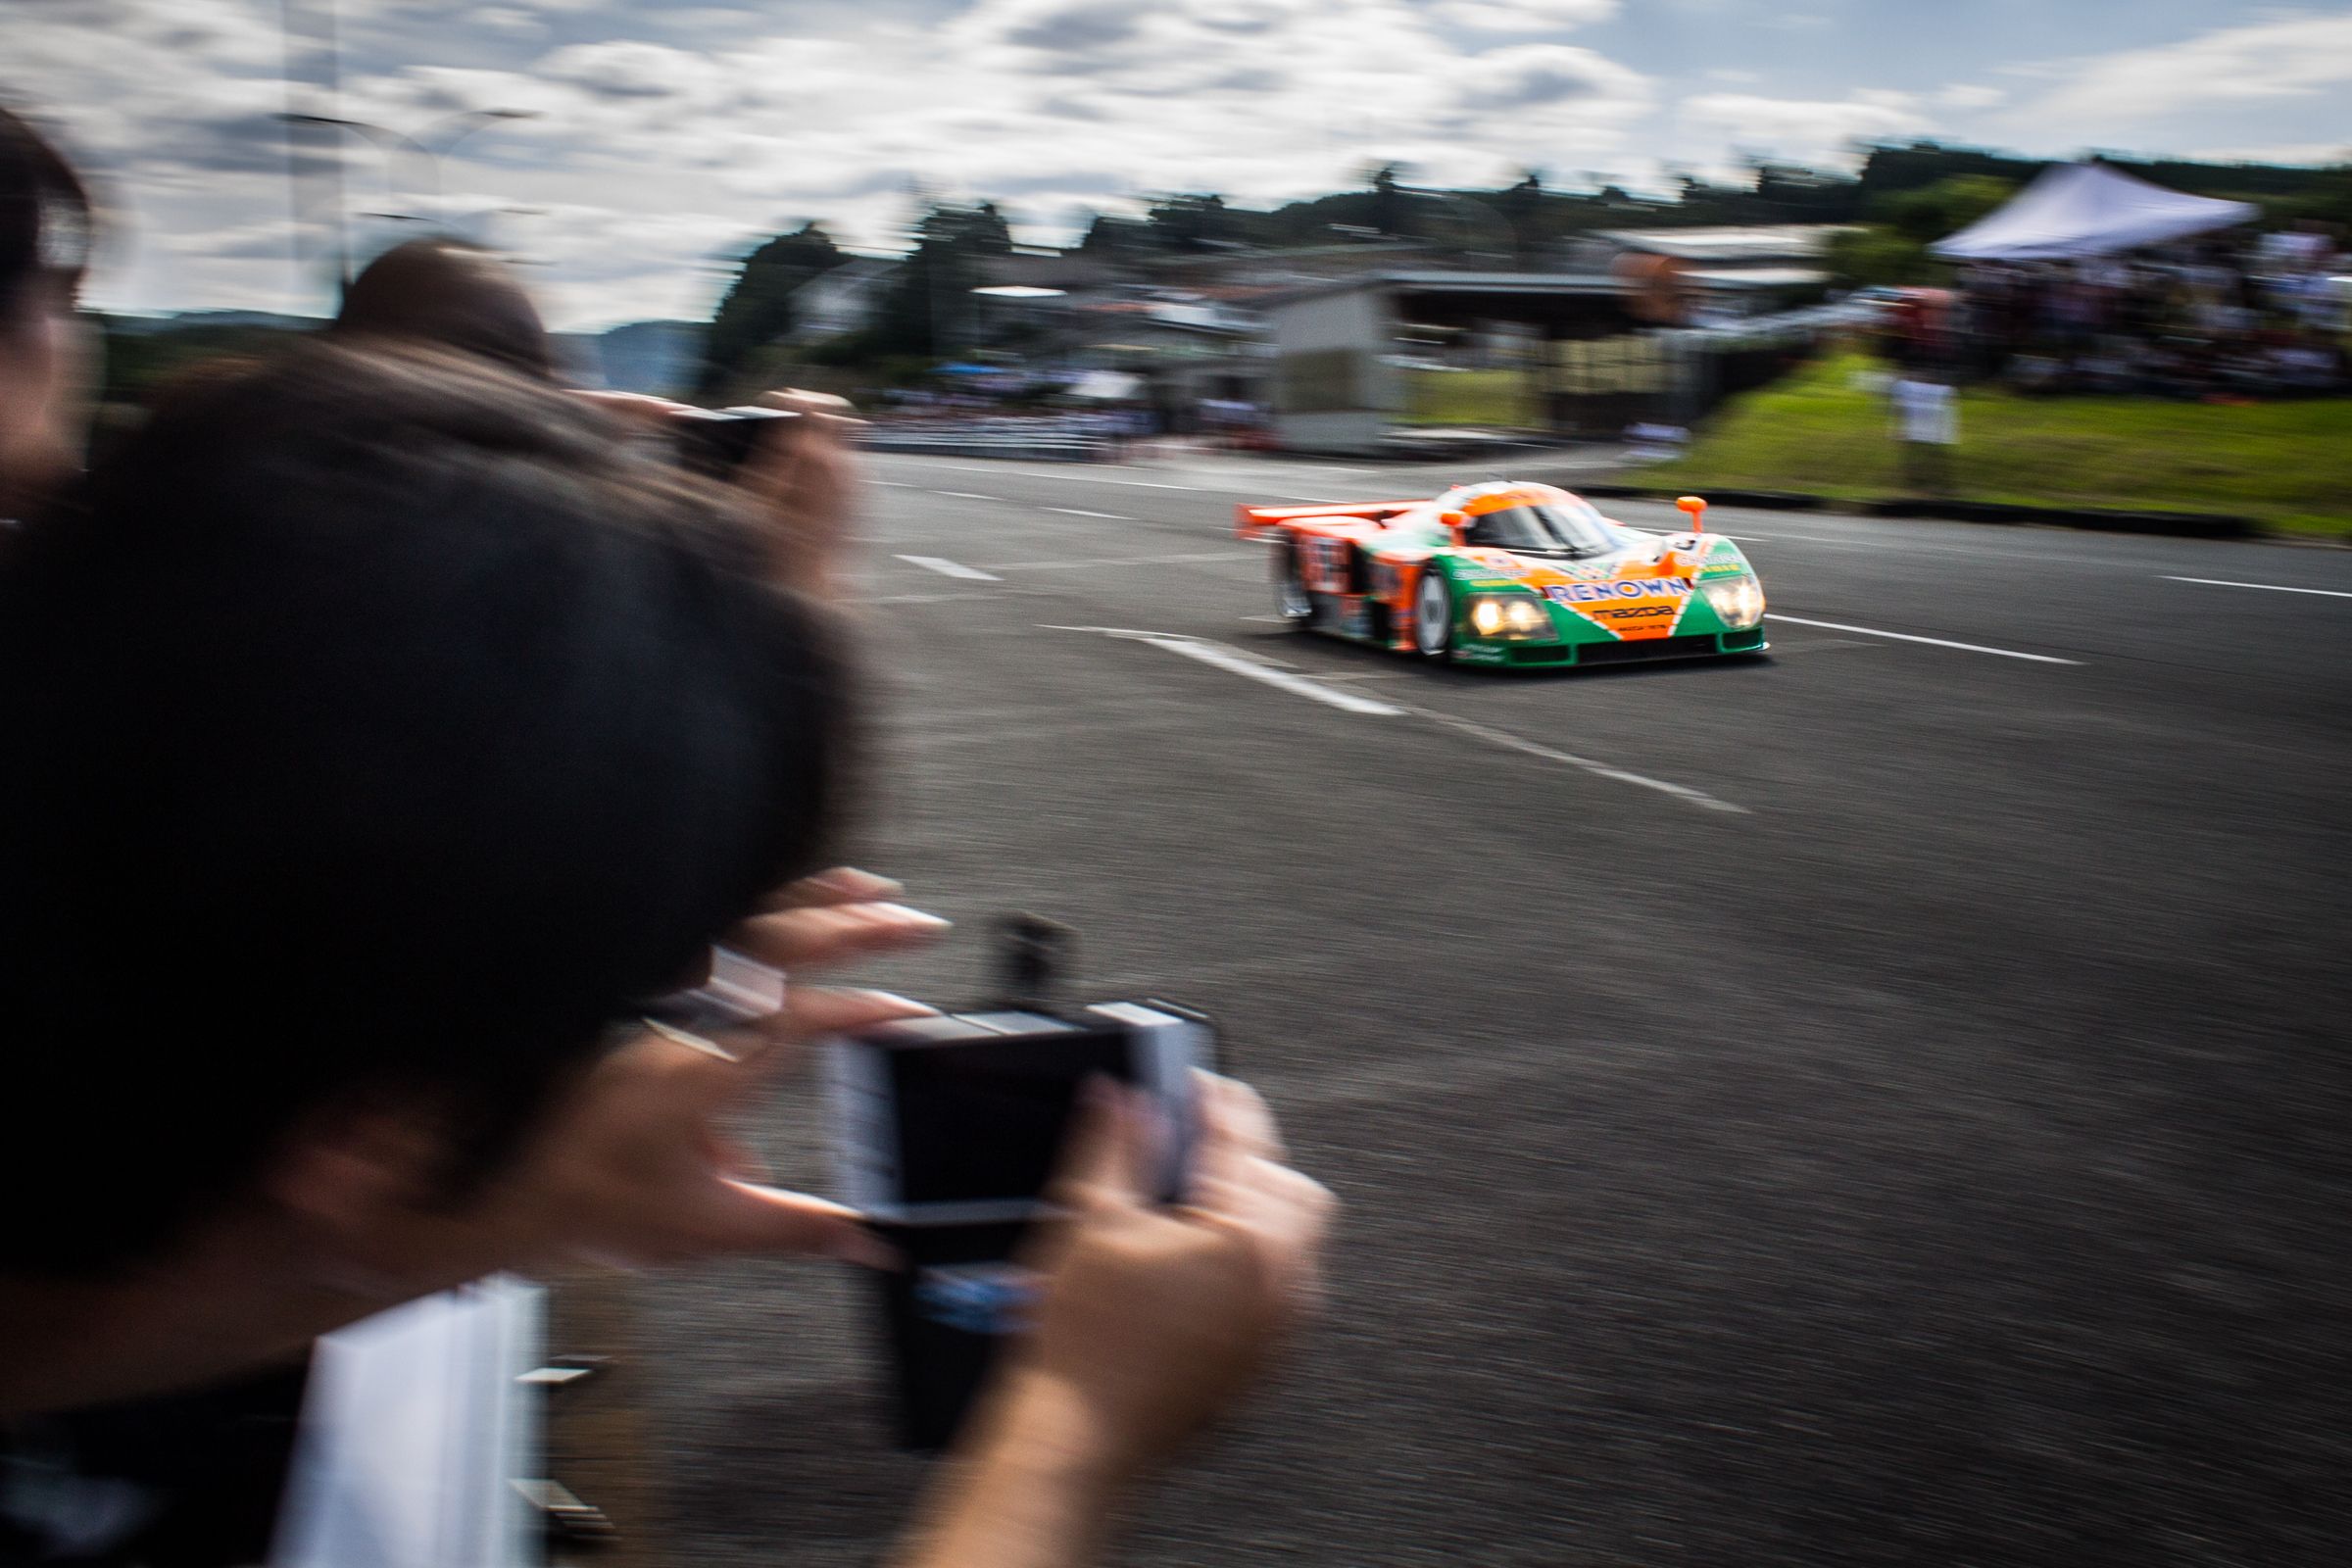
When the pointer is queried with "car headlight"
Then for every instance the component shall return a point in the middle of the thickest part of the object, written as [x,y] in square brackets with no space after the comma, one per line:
[1510,617]
[1739,602]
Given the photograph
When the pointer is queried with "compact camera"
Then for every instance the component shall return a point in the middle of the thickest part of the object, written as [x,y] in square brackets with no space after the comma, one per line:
[949,1131]
[715,441]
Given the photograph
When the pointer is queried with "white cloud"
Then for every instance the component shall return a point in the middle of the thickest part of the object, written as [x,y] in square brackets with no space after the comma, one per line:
[1815,131]
[1524,15]
[671,134]
[1970,95]
[2290,57]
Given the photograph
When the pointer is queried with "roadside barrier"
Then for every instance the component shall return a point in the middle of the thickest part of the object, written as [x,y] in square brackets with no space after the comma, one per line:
[1038,440]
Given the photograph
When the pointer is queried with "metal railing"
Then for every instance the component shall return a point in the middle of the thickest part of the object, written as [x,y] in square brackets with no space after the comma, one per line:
[1049,440]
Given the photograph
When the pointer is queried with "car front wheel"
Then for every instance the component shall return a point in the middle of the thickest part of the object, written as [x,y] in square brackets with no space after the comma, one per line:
[1432,615]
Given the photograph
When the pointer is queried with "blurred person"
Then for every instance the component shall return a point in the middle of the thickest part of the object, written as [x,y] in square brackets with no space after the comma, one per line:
[1926,419]
[45,356]
[343,840]
[449,291]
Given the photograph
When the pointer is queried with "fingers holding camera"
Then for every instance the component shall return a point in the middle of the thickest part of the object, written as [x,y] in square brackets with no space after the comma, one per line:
[822,934]
[842,884]
[1153,1321]
[805,475]
[824,407]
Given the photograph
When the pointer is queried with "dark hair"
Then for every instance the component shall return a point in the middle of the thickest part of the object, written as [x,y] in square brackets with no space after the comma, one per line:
[44,215]
[383,728]
[449,292]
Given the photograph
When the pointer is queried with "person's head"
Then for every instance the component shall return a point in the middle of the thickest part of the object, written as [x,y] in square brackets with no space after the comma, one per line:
[379,737]
[446,291]
[45,229]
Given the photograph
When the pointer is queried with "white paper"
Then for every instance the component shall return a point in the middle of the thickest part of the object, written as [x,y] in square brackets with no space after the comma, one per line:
[414,1433]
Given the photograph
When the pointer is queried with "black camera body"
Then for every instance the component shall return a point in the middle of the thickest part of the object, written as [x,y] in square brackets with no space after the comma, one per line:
[715,442]
[949,1132]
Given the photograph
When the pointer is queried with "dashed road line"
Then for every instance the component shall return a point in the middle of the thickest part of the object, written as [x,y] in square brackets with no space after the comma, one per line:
[2274,587]
[950,568]
[1081,512]
[1932,642]
[965,495]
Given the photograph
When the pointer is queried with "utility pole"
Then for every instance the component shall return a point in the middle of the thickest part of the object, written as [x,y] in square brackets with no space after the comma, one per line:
[312,22]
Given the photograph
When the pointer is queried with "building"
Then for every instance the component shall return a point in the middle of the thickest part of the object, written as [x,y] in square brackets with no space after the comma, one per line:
[1350,354]
[1725,272]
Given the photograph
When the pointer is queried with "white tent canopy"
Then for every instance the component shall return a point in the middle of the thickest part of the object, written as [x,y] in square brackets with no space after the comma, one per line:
[2087,210]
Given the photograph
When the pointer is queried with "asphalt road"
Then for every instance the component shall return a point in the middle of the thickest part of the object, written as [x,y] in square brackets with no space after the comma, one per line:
[1886,1102]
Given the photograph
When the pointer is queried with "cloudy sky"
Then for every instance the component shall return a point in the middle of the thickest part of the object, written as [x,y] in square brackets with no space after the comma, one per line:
[668,133]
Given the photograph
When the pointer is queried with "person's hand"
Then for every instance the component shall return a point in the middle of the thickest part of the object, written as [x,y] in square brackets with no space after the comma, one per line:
[641,410]
[632,1164]
[1153,1321]
[805,474]
[644,1159]
[801,475]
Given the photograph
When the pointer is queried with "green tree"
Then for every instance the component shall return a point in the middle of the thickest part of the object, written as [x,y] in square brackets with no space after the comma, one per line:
[1391,206]
[1191,222]
[928,303]
[758,307]
[1876,253]
[1943,208]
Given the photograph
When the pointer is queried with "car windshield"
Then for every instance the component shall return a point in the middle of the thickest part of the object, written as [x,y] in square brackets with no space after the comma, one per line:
[1553,528]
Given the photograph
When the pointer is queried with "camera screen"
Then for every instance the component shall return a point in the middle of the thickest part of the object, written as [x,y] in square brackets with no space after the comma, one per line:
[985,1120]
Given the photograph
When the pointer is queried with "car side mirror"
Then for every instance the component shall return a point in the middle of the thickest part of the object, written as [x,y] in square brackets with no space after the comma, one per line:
[1696,509]
[1458,524]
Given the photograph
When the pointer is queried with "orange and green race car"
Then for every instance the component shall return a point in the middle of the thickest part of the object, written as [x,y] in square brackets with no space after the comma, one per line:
[1512,575]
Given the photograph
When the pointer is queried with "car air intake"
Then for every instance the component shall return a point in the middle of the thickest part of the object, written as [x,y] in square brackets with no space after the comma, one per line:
[1648,648]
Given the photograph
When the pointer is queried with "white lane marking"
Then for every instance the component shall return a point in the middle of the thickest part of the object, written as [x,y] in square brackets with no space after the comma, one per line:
[896,484]
[1512,743]
[1932,642]
[2274,587]
[913,599]
[1241,663]
[965,495]
[950,568]
[1124,560]
[1081,512]
[1224,658]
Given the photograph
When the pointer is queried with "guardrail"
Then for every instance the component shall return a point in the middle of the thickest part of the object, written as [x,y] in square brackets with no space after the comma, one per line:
[991,439]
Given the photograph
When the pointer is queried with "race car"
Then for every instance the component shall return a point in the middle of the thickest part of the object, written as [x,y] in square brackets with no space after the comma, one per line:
[1506,573]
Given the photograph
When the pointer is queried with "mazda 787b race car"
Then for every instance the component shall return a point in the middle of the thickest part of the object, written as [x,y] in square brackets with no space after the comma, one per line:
[1509,574]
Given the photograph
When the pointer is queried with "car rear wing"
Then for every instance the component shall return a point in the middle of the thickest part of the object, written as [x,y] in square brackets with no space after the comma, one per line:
[1264,522]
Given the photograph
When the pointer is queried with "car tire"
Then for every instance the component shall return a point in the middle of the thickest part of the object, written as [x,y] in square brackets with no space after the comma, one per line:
[1292,604]
[1432,615]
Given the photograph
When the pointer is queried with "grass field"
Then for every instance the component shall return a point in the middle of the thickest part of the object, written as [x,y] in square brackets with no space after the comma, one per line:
[2286,464]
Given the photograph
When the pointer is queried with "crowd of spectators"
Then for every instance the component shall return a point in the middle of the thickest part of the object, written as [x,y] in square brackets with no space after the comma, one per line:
[2230,317]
